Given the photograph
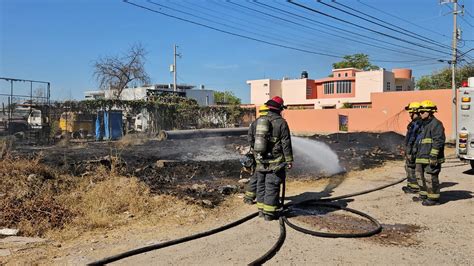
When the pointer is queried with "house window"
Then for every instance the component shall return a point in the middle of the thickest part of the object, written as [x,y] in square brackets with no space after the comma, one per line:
[399,88]
[339,74]
[329,87]
[345,74]
[309,92]
[388,86]
[344,86]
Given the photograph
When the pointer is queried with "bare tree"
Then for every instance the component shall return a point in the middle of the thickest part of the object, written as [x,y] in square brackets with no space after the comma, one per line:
[116,72]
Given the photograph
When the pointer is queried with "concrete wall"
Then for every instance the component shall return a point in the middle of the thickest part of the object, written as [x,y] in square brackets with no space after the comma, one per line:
[275,88]
[259,91]
[129,94]
[388,77]
[387,114]
[294,91]
[367,83]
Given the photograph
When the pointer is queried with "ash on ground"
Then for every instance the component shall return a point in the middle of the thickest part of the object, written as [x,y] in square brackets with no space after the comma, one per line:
[205,170]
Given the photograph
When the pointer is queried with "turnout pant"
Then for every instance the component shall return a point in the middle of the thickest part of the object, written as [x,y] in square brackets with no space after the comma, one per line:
[268,190]
[412,182]
[251,191]
[428,181]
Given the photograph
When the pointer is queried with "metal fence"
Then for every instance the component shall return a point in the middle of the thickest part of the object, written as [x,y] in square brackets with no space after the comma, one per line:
[25,109]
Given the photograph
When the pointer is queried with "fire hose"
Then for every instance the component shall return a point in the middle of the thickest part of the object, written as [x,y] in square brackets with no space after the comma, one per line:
[282,221]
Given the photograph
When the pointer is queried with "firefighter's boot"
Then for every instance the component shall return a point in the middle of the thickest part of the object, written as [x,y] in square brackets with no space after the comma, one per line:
[410,190]
[430,202]
[248,201]
[270,217]
[419,198]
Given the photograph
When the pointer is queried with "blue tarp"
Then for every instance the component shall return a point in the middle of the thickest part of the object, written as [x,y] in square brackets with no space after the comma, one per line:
[113,125]
[99,126]
[109,125]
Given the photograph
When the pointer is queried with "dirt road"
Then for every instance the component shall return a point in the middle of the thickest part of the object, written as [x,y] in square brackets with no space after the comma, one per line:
[413,234]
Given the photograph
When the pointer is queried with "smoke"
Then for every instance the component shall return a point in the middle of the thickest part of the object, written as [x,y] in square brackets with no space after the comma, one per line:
[315,158]
[208,149]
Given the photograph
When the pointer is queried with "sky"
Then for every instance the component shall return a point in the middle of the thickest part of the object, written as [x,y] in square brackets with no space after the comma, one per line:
[59,40]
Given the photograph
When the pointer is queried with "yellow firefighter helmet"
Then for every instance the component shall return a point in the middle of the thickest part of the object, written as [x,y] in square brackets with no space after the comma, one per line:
[428,106]
[412,107]
[263,109]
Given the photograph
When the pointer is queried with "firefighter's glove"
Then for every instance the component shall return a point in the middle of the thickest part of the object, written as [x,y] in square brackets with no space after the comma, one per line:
[433,160]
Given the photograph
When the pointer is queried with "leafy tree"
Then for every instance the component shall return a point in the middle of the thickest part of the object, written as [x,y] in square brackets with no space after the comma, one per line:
[359,61]
[226,97]
[117,72]
[441,79]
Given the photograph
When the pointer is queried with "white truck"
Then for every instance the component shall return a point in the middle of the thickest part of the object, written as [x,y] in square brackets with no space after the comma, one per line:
[465,120]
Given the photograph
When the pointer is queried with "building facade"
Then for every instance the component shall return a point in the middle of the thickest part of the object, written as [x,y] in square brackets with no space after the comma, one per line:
[347,87]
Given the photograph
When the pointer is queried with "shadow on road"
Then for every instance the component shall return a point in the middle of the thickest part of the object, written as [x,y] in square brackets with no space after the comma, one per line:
[454,195]
[469,172]
[447,184]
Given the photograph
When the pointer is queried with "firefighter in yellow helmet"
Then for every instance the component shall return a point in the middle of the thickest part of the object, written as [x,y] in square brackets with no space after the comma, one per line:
[251,192]
[429,154]
[413,130]
[271,145]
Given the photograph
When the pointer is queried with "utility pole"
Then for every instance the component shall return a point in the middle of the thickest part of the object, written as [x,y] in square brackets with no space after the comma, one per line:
[453,70]
[173,68]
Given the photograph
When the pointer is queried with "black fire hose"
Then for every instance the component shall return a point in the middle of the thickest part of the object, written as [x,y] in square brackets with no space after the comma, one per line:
[319,202]
[376,230]
[172,242]
[281,239]
[268,255]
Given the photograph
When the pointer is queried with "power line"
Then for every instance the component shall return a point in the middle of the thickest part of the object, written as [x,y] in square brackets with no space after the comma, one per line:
[363,27]
[402,19]
[221,24]
[299,24]
[215,14]
[412,34]
[285,12]
[387,22]
[467,22]
[247,37]
[231,33]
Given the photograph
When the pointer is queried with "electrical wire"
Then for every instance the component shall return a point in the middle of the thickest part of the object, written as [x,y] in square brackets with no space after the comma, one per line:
[246,36]
[402,19]
[226,16]
[231,33]
[400,30]
[281,11]
[222,24]
[366,28]
[299,24]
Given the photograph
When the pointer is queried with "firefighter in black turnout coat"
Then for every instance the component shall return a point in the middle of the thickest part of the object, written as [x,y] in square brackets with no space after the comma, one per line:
[429,154]
[270,142]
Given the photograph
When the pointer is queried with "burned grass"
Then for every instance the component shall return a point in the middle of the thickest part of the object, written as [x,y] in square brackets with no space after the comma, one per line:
[101,185]
[363,150]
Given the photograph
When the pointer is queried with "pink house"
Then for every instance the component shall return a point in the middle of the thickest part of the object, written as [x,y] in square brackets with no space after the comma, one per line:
[348,86]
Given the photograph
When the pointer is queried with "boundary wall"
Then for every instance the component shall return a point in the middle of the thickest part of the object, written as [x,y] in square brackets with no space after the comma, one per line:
[387,114]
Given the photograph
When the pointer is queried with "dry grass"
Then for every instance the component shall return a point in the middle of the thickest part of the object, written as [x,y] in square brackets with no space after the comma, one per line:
[41,201]
[131,140]
[6,144]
